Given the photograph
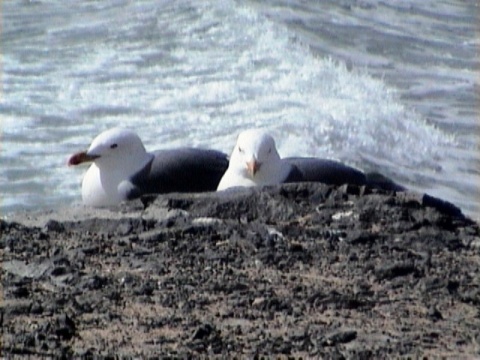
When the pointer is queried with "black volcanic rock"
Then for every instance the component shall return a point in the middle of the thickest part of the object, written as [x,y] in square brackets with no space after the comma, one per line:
[299,270]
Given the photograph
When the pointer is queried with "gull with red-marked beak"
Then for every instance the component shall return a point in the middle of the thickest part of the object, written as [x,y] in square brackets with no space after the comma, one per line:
[121,169]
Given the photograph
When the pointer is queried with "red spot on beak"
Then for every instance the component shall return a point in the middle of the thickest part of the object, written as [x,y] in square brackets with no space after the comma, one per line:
[81,157]
[252,167]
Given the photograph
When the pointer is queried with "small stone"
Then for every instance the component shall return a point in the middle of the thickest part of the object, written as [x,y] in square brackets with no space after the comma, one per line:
[434,314]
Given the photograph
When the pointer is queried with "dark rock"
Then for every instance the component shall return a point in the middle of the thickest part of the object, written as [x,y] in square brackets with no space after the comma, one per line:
[453,286]
[391,271]
[54,226]
[16,308]
[471,296]
[338,337]
[36,308]
[20,292]
[361,237]
[335,300]
[299,270]
[64,327]
[203,331]
[434,314]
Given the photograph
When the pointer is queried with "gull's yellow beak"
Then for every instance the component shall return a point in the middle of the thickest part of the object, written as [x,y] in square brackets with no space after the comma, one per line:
[252,167]
[81,157]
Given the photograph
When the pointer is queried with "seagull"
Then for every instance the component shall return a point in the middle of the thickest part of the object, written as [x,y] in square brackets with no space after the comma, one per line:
[255,161]
[121,169]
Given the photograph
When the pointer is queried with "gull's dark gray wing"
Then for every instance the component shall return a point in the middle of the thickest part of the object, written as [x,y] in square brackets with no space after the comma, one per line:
[179,170]
[323,170]
[335,173]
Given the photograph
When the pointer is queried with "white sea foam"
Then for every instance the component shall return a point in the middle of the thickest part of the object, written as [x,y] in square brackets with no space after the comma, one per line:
[198,73]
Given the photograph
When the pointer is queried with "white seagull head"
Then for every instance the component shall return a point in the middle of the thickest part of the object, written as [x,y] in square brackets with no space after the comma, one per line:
[117,154]
[254,162]
[112,148]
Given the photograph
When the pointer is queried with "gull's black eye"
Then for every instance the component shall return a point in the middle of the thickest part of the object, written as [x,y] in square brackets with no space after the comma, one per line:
[113,146]
[240,149]
[269,150]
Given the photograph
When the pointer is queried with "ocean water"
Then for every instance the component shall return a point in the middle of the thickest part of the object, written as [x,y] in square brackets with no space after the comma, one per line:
[387,86]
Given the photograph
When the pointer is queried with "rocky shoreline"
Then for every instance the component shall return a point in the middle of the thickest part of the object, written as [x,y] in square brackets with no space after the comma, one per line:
[298,270]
